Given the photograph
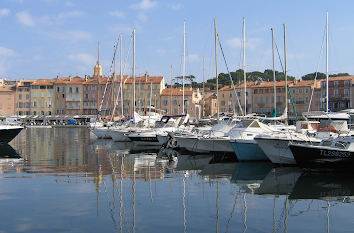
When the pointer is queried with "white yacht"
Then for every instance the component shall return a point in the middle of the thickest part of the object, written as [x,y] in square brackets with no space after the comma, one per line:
[9,132]
[242,139]
[148,137]
[214,140]
[120,133]
[275,144]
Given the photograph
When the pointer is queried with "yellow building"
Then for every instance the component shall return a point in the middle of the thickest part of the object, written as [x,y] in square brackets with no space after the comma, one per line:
[229,103]
[23,97]
[192,100]
[7,99]
[42,97]
[143,87]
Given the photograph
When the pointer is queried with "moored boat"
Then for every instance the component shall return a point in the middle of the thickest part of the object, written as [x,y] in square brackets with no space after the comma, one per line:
[9,132]
[337,153]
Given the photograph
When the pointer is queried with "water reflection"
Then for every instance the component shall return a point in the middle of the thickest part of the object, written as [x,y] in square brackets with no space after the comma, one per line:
[113,186]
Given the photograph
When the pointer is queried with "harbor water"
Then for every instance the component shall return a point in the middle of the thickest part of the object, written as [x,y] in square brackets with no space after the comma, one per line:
[66,180]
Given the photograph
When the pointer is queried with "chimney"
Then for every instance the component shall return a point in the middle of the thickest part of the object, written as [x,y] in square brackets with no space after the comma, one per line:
[86,77]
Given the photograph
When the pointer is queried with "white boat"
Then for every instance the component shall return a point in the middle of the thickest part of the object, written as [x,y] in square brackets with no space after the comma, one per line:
[242,139]
[213,140]
[275,145]
[148,137]
[9,132]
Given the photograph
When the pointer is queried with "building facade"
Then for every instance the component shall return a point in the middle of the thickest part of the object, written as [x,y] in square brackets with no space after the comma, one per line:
[42,97]
[338,92]
[23,97]
[171,102]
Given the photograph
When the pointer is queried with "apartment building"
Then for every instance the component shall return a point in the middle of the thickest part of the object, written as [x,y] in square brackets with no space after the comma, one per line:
[144,87]
[210,105]
[339,93]
[301,92]
[42,97]
[192,99]
[7,99]
[23,97]
[230,103]
[90,96]
[74,96]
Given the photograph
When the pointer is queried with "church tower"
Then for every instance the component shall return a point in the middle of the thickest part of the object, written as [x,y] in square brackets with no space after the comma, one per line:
[97,70]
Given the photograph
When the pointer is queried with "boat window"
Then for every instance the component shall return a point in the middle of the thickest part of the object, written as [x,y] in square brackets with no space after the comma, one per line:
[341,145]
[326,143]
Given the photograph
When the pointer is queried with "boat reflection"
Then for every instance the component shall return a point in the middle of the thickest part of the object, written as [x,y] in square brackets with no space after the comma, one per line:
[279,181]
[8,152]
[324,186]
[250,175]
[192,162]
[218,170]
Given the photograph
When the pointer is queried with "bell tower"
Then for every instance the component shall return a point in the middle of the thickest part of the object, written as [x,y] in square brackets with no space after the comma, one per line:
[97,70]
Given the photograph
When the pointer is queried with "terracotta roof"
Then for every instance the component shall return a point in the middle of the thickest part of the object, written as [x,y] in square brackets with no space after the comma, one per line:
[5,88]
[228,88]
[39,82]
[150,79]
[351,77]
[175,91]
[306,83]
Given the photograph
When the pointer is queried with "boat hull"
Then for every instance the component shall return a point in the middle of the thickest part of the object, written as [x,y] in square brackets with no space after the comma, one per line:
[276,150]
[318,157]
[248,150]
[205,145]
[119,136]
[7,134]
[101,132]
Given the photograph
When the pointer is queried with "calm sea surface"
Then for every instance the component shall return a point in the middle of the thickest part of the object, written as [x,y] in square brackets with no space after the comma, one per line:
[65,180]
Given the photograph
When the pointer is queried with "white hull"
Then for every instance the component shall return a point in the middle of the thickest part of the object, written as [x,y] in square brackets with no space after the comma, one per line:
[101,132]
[119,136]
[276,150]
[205,145]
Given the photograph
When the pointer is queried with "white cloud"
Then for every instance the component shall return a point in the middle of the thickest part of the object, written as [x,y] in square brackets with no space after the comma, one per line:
[117,13]
[72,35]
[5,59]
[69,14]
[25,18]
[176,7]
[7,52]
[4,12]
[251,43]
[161,52]
[17,1]
[142,17]
[122,28]
[193,57]
[69,4]
[144,5]
[84,58]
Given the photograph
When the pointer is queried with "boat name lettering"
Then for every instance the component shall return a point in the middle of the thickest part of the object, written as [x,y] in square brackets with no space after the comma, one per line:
[341,154]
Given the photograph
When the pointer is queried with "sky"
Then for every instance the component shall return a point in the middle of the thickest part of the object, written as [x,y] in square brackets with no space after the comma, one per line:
[46,38]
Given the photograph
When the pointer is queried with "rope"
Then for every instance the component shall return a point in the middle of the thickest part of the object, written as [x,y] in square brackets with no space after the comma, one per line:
[228,71]
[318,64]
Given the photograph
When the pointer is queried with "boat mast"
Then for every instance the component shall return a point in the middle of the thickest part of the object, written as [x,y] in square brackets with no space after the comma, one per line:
[286,78]
[121,74]
[184,63]
[327,97]
[203,106]
[274,79]
[113,86]
[133,104]
[171,90]
[216,71]
[244,64]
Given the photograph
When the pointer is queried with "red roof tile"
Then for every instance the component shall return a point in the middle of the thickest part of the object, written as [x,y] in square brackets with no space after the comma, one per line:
[175,92]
